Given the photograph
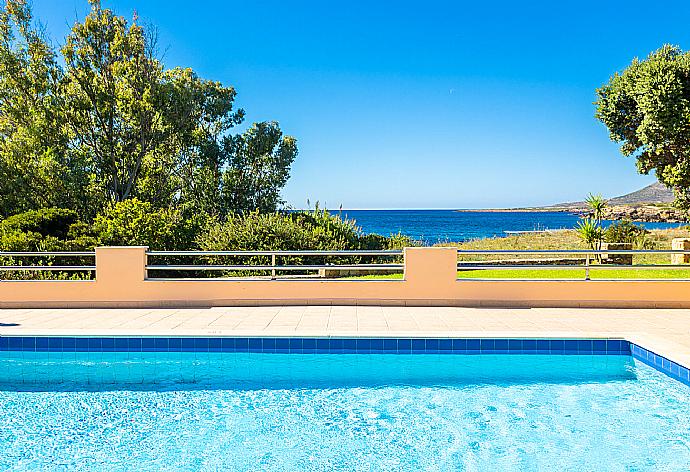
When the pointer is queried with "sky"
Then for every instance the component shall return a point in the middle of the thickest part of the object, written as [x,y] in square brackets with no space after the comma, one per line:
[440,104]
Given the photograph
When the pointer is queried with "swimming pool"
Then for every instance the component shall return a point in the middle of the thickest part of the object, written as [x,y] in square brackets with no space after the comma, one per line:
[285,404]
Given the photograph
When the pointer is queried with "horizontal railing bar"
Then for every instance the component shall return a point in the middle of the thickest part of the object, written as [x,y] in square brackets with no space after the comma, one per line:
[517,266]
[47,268]
[277,267]
[581,267]
[573,251]
[44,254]
[277,253]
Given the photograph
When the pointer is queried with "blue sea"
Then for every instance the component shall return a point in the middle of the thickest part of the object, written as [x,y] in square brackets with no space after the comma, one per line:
[433,226]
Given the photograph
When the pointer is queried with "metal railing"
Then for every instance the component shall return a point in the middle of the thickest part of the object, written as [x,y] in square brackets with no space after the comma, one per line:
[274,265]
[46,264]
[593,259]
[301,263]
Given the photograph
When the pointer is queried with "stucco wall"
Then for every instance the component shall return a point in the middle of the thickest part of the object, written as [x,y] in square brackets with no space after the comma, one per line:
[430,279]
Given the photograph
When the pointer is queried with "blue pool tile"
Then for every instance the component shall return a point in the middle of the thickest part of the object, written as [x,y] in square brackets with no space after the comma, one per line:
[55,344]
[445,345]
[377,345]
[599,346]
[432,346]
[174,344]
[473,346]
[684,373]
[95,345]
[557,346]
[227,344]
[515,346]
[147,344]
[584,346]
[108,344]
[613,346]
[461,345]
[295,345]
[69,344]
[543,346]
[486,346]
[15,343]
[309,345]
[134,344]
[121,344]
[4,343]
[336,346]
[418,345]
[501,346]
[160,345]
[215,345]
[255,345]
[42,344]
[570,346]
[364,346]
[81,344]
[282,344]
[27,343]
[529,346]
[241,344]
[349,345]
[201,344]
[323,345]
[404,346]
[390,345]
[187,345]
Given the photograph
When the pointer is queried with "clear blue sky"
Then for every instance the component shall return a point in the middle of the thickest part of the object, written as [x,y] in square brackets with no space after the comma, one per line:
[420,104]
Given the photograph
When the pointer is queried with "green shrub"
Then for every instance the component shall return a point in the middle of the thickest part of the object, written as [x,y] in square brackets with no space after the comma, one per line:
[46,222]
[136,223]
[45,230]
[316,230]
[625,232]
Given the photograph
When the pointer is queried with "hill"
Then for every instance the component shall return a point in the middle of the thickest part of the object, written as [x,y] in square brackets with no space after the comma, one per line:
[654,194]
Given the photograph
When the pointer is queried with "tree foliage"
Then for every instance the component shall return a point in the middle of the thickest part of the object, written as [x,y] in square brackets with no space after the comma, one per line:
[102,121]
[646,108]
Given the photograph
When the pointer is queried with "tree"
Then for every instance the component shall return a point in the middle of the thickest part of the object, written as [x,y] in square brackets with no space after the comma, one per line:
[34,169]
[258,167]
[113,124]
[111,92]
[646,109]
[589,229]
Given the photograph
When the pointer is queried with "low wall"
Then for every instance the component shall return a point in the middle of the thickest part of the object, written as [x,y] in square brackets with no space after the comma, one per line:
[430,279]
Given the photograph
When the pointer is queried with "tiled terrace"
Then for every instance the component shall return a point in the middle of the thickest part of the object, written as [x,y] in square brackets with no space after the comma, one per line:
[665,331]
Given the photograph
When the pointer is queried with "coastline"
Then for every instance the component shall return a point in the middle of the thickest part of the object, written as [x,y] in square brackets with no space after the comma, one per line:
[635,213]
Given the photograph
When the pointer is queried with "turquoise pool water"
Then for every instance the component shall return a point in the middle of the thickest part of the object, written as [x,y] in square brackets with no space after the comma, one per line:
[249,411]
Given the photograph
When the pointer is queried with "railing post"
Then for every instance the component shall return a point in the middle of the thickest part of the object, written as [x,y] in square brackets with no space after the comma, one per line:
[587,267]
[273,264]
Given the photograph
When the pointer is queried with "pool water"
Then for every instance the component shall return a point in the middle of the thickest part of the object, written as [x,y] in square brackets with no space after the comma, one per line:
[369,412]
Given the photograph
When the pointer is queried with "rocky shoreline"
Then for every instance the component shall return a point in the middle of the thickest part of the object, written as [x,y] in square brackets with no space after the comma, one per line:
[636,213]
[645,214]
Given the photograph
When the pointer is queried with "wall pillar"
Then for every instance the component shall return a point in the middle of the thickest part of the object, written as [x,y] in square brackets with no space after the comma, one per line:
[120,266]
[431,269]
[680,244]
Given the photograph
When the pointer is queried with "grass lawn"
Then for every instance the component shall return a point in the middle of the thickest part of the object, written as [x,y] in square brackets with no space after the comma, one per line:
[656,239]
[575,274]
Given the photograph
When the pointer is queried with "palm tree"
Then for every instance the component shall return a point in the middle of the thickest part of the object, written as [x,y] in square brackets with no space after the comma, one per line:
[596,204]
[589,229]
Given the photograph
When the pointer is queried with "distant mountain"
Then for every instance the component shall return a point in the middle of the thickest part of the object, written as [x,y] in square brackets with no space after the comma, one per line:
[652,194]
[655,193]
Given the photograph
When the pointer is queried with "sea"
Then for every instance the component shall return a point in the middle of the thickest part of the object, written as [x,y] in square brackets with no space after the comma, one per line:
[438,226]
